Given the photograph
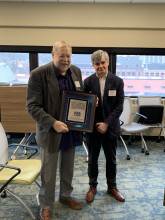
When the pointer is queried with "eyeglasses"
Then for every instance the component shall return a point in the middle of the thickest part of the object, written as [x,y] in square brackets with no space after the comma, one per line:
[63,56]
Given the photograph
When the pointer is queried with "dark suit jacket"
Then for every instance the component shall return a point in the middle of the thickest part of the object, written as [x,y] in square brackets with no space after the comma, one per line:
[111,108]
[44,101]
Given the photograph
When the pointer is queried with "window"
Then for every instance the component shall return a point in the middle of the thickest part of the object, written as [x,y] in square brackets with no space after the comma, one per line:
[149,79]
[44,58]
[83,61]
[14,67]
[138,67]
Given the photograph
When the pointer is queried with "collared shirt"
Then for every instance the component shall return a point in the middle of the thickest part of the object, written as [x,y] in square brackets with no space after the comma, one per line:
[102,85]
[71,138]
[64,82]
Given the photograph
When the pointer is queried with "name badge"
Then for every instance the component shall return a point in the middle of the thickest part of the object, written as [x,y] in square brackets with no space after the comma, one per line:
[112,93]
[77,84]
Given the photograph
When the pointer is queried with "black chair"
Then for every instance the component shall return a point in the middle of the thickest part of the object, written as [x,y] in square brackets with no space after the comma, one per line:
[151,107]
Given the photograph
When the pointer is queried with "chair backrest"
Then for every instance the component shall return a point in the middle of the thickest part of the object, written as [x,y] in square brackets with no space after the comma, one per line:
[151,107]
[153,113]
[126,114]
[3,144]
[149,100]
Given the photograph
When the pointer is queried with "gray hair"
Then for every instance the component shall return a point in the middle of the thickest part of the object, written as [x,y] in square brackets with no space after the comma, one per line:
[98,55]
[59,44]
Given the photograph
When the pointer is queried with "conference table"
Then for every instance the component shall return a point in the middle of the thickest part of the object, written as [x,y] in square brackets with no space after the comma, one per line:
[14,116]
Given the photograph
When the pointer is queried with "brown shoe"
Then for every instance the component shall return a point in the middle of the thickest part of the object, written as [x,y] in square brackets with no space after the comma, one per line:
[91,194]
[45,214]
[73,203]
[117,195]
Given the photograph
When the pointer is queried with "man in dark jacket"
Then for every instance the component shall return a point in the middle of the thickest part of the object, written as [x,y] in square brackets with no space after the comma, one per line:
[110,92]
[45,87]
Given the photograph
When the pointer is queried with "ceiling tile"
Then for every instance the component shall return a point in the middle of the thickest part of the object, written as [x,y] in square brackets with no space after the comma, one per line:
[76,1]
[148,1]
[39,1]
[91,1]
[10,0]
[112,1]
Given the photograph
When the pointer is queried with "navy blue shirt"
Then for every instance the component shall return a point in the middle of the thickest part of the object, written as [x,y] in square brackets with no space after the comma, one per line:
[71,138]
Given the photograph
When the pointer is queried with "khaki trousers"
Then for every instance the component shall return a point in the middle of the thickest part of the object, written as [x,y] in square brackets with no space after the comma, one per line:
[48,176]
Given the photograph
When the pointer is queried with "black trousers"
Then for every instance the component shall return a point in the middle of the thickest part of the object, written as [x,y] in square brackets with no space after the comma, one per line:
[95,141]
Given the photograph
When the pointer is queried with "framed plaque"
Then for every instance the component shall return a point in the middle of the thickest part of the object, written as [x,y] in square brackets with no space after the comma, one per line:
[78,110]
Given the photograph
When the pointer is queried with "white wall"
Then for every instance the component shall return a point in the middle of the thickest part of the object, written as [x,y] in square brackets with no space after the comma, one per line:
[83,24]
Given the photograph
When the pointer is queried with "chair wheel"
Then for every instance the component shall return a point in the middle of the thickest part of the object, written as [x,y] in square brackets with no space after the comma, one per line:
[128,157]
[3,194]
[147,153]
[129,143]
[142,150]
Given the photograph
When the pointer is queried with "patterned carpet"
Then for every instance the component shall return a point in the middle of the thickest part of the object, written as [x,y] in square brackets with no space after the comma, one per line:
[141,180]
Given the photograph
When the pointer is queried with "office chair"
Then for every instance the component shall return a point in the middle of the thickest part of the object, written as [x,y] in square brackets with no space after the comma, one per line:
[153,109]
[130,127]
[17,171]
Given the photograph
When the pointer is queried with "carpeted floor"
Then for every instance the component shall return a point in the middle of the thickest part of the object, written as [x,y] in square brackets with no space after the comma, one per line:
[141,180]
